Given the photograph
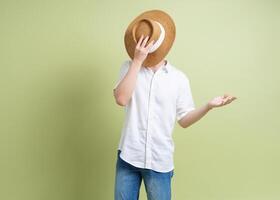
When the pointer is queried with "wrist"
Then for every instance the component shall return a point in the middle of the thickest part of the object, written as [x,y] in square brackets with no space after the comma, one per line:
[208,106]
[137,62]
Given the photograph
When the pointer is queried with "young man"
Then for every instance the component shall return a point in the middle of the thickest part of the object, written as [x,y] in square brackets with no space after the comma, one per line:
[155,96]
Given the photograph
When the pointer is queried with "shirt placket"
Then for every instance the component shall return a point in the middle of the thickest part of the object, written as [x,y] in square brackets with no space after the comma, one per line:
[150,119]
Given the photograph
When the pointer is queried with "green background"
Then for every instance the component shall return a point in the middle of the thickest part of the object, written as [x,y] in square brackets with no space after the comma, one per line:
[60,125]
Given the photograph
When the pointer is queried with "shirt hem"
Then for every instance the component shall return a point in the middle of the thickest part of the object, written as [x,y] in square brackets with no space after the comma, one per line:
[140,165]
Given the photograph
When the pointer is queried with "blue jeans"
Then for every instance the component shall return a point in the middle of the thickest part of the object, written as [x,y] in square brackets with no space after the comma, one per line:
[128,180]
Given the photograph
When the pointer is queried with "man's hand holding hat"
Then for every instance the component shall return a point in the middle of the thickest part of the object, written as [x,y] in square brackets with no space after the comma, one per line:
[141,49]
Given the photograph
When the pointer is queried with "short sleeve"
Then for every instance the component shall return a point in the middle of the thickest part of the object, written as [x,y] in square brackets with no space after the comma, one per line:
[122,72]
[184,102]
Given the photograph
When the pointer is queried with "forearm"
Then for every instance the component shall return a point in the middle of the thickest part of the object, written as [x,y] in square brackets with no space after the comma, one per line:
[125,88]
[194,116]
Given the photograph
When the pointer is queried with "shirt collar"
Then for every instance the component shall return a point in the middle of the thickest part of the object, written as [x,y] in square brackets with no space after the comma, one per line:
[166,68]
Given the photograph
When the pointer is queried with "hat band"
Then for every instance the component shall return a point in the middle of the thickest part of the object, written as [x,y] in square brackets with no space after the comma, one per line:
[157,44]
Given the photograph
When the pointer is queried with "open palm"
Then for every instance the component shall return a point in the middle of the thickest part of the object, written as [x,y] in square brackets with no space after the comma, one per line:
[221,100]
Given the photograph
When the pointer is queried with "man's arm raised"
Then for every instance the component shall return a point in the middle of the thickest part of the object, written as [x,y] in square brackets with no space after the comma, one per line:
[125,88]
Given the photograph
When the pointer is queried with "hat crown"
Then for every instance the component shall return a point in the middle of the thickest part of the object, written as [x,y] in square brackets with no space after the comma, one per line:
[159,26]
[146,27]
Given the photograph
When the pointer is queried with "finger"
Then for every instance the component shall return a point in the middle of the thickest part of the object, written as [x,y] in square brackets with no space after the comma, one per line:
[228,102]
[139,41]
[231,98]
[149,45]
[225,95]
[225,100]
[228,99]
[144,42]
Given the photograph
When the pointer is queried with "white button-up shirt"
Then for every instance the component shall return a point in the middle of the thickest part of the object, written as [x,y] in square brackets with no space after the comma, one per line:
[158,100]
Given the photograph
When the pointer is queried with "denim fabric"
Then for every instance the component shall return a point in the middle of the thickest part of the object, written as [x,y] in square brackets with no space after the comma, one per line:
[128,181]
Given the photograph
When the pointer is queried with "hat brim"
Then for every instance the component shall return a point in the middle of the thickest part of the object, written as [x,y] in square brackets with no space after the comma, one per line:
[170,32]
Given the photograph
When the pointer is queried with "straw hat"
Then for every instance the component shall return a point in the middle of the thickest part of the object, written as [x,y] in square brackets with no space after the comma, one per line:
[159,26]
